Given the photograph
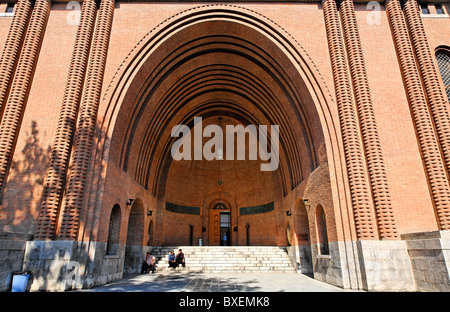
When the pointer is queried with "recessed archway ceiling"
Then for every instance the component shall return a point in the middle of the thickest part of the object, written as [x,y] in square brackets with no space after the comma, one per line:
[209,69]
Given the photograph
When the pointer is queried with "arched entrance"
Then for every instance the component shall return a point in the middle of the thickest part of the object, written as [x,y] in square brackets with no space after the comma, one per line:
[302,236]
[230,67]
[135,238]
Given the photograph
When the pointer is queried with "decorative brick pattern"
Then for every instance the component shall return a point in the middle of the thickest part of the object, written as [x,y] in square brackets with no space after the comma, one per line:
[175,61]
[16,102]
[368,124]
[87,120]
[359,184]
[12,46]
[436,97]
[56,175]
[434,165]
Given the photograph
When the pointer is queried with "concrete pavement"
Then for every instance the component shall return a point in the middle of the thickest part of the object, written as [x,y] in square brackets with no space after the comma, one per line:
[213,282]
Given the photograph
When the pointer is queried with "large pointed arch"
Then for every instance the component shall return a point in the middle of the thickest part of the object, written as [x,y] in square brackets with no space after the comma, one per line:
[173,44]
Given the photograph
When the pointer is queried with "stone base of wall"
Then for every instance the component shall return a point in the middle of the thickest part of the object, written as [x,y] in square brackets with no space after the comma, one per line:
[385,266]
[430,259]
[365,265]
[52,264]
[12,250]
[328,268]
[420,261]
[301,259]
[134,255]
[64,265]
[101,267]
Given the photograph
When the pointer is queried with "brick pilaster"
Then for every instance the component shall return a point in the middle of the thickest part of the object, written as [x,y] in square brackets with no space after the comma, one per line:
[59,158]
[12,47]
[87,121]
[437,101]
[367,121]
[15,105]
[366,227]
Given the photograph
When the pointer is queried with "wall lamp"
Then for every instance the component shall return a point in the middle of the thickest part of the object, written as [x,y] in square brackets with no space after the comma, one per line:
[288,213]
[130,202]
[306,202]
[149,212]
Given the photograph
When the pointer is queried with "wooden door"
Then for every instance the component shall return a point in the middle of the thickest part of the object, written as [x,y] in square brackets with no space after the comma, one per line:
[214,228]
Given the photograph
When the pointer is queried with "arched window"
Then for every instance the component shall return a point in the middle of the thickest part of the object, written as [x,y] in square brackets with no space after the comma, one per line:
[322,236]
[220,206]
[424,8]
[443,61]
[112,245]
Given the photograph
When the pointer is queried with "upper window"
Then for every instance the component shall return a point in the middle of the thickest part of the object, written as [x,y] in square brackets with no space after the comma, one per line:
[9,8]
[424,8]
[443,61]
[220,206]
[439,9]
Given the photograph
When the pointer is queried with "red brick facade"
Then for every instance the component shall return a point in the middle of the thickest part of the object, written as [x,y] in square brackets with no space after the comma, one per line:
[87,113]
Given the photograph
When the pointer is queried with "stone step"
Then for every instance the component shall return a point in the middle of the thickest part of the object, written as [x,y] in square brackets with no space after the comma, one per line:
[214,256]
[233,258]
[219,248]
[225,252]
[230,258]
[268,262]
[226,259]
[223,270]
[224,267]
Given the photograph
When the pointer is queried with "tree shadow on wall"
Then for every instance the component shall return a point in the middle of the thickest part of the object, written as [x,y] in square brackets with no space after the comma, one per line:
[21,204]
[23,191]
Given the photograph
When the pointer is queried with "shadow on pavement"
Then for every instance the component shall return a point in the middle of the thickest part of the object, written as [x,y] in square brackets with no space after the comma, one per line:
[179,282]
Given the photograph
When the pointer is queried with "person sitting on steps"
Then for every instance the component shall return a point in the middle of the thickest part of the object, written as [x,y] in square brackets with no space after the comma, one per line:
[180,258]
[172,260]
[148,264]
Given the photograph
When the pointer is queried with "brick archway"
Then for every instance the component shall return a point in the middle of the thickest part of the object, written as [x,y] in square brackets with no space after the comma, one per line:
[338,176]
[134,237]
[302,237]
[229,62]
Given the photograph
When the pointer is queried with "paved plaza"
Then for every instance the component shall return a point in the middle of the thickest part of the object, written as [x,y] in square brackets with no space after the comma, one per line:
[213,282]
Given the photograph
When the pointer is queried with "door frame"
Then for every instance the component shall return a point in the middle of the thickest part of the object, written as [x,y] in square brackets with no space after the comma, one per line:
[218,212]
[208,204]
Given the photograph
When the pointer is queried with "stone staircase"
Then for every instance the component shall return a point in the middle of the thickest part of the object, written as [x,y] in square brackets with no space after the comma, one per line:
[227,259]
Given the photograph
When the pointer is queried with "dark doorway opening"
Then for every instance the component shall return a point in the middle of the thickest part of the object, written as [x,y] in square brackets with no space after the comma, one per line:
[225,219]
[191,235]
